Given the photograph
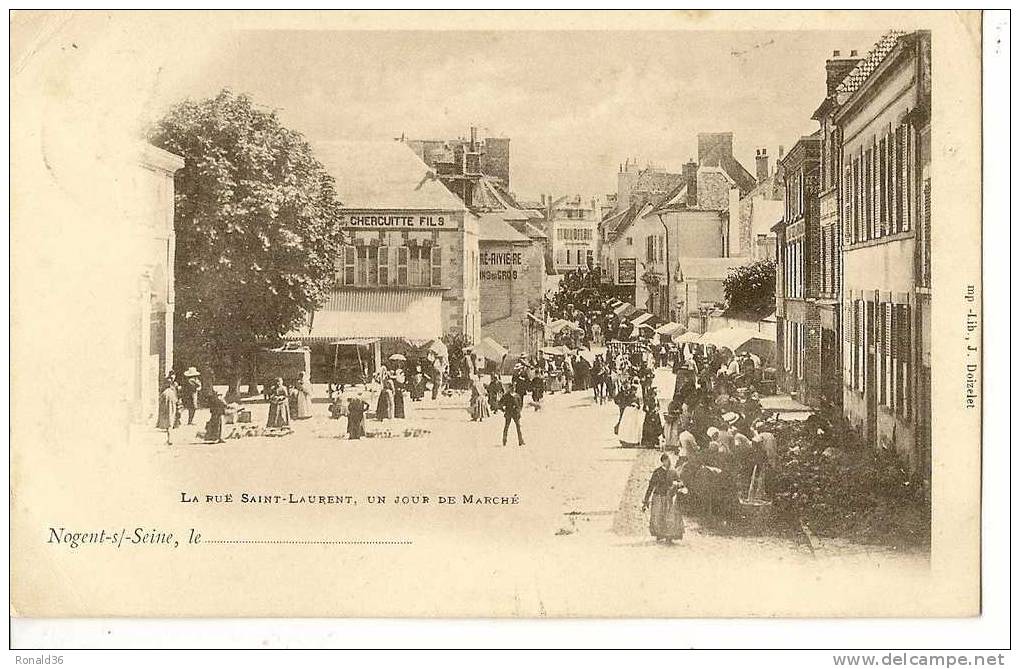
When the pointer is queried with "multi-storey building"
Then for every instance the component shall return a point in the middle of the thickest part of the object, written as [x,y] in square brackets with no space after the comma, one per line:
[798,336]
[884,131]
[574,232]
[410,271]
[829,231]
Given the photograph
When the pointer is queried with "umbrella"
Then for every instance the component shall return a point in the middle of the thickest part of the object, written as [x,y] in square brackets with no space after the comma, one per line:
[439,348]
[397,356]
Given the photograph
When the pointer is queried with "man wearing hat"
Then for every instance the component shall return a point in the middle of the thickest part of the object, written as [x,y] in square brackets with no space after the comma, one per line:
[192,387]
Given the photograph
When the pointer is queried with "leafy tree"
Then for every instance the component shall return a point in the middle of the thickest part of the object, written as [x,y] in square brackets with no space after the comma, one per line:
[752,287]
[257,225]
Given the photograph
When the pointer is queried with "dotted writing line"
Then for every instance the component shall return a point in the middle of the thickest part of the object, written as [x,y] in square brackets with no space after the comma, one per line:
[302,542]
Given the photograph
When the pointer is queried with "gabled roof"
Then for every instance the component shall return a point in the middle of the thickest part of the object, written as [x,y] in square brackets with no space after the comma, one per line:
[631,214]
[677,198]
[526,228]
[383,175]
[655,181]
[868,64]
[492,227]
[744,180]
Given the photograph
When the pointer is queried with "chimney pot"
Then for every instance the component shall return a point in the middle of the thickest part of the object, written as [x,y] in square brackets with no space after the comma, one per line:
[835,54]
[853,52]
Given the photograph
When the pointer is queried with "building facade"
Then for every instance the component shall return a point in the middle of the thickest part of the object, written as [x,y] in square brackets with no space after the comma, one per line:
[152,314]
[408,272]
[830,238]
[884,131]
[574,232]
[798,329]
[512,285]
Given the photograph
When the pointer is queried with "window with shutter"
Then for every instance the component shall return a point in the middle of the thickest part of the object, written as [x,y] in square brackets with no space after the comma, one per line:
[880,352]
[402,263]
[350,264]
[882,205]
[437,266]
[908,357]
[884,352]
[858,345]
[895,327]
[910,211]
[847,208]
[384,265]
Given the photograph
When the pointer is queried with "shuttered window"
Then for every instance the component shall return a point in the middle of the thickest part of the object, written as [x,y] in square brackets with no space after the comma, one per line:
[906,357]
[402,257]
[437,266]
[384,266]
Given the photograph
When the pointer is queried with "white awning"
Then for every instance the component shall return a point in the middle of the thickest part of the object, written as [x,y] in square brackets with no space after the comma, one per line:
[734,338]
[491,349]
[352,313]
[641,319]
[619,309]
[670,329]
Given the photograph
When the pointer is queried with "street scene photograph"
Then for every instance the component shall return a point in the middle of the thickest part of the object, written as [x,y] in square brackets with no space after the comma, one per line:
[695,319]
[497,322]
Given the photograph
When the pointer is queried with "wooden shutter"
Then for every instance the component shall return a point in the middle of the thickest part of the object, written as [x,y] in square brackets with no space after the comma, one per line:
[881,214]
[907,357]
[437,266]
[350,262]
[896,357]
[402,257]
[384,266]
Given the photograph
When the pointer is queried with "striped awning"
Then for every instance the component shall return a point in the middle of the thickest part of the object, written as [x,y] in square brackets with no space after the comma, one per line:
[350,313]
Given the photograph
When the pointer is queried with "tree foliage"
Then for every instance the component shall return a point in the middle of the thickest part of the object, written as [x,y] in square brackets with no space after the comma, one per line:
[752,287]
[257,225]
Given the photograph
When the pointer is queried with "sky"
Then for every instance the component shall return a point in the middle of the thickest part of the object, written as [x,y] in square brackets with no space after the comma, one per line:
[575,104]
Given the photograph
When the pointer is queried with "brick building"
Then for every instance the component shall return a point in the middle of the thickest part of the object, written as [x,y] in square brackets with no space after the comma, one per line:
[798,330]
[883,128]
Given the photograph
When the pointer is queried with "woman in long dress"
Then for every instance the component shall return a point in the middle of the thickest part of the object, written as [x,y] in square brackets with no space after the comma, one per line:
[494,391]
[399,383]
[279,406]
[479,400]
[651,429]
[169,409]
[384,407]
[538,388]
[665,522]
[303,402]
[214,428]
[356,409]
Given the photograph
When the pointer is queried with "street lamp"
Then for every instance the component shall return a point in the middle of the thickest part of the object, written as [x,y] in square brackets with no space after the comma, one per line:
[669,302]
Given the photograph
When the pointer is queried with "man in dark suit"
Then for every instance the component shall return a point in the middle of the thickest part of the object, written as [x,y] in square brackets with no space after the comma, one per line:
[510,405]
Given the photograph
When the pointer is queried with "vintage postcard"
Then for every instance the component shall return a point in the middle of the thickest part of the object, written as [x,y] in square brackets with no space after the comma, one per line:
[495,314]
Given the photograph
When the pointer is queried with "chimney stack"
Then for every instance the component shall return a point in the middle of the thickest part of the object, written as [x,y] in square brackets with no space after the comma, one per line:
[781,152]
[690,176]
[761,165]
[836,69]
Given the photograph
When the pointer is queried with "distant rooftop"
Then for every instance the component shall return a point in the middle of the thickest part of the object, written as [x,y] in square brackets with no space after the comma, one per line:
[383,175]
